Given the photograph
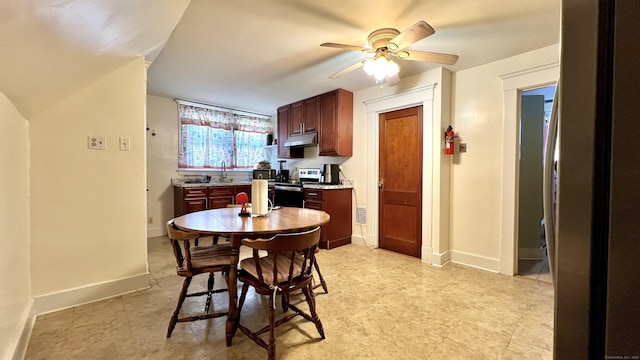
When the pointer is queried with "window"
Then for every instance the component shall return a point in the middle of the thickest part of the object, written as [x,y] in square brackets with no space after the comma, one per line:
[210,135]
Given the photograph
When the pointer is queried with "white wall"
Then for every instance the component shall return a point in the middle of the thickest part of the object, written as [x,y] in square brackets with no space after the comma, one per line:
[362,166]
[162,161]
[15,293]
[88,207]
[478,111]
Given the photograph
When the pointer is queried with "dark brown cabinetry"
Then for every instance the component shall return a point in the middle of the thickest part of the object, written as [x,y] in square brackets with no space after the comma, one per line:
[284,115]
[329,114]
[336,203]
[190,199]
[335,134]
[194,199]
[304,117]
[221,196]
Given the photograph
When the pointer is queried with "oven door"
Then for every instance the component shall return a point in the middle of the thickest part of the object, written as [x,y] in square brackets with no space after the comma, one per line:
[288,196]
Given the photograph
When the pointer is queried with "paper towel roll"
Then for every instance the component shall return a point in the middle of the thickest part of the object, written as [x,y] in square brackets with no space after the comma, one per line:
[259,197]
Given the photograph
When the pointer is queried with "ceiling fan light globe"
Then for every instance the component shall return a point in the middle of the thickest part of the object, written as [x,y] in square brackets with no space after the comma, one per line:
[368,66]
[380,68]
[392,68]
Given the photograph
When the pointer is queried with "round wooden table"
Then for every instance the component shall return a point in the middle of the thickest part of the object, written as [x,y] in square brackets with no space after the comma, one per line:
[226,222]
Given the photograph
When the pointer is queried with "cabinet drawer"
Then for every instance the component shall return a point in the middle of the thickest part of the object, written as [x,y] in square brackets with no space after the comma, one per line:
[195,192]
[221,191]
[313,194]
[315,205]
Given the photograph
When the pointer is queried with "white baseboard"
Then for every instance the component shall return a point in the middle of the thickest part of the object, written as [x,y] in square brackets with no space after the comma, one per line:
[156,231]
[476,261]
[82,295]
[441,260]
[18,349]
[530,253]
[359,240]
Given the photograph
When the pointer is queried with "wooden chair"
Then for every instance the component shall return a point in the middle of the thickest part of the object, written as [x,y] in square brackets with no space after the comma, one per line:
[287,268]
[193,261]
[322,282]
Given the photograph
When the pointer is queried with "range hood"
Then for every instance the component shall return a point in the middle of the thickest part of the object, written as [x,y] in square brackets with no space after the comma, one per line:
[306,140]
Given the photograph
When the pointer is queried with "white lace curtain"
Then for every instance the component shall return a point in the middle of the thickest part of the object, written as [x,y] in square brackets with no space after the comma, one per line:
[209,136]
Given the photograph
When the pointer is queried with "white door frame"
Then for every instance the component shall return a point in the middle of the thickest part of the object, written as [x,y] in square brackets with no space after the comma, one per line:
[424,96]
[513,84]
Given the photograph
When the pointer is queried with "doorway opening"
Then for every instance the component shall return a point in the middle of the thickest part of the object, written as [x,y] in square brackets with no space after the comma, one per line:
[535,113]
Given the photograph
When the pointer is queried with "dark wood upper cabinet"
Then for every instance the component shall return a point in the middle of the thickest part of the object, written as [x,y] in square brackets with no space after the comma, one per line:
[310,114]
[295,119]
[330,115]
[284,114]
[335,133]
[304,117]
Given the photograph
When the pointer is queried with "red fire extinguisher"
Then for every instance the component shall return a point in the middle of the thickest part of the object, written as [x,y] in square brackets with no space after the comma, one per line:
[448,141]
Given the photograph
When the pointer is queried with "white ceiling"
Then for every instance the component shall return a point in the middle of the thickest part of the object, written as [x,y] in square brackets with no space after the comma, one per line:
[248,54]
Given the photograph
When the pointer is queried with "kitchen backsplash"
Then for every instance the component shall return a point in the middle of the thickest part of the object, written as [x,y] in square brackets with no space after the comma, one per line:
[235,175]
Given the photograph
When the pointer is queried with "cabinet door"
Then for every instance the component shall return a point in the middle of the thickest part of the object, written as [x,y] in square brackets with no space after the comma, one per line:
[310,114]
[283,131]
[296,119]
[335,133]
[327,140]
[193,205]
[283,134]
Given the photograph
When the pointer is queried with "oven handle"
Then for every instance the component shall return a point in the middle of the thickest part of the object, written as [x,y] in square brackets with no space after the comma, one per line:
[288,188]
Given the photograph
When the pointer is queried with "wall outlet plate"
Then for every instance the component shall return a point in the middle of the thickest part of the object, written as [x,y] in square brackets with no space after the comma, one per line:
[97,142]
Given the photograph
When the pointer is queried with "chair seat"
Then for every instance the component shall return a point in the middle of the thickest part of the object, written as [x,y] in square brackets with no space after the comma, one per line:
[208,257]
[266,264]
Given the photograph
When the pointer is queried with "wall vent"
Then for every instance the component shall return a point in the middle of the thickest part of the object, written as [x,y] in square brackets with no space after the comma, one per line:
[361,215]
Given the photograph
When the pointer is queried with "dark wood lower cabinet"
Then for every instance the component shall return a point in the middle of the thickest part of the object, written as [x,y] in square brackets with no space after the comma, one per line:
[221,196]
[191,199]
[336,203]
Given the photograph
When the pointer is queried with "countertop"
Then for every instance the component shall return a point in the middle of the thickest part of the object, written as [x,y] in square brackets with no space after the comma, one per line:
[327,187]
[248,182]
[211,183]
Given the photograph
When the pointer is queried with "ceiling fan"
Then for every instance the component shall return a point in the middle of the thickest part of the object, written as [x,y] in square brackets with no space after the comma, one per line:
[388,42]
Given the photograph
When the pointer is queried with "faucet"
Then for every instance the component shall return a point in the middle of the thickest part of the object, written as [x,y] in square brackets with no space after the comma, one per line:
[223,173]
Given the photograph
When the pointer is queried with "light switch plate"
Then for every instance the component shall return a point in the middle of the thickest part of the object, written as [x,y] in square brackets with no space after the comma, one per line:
[97,142]
[125,144]
[463,147]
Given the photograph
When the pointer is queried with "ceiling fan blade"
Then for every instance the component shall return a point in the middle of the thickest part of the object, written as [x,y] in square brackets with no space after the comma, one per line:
[413,34]
[346,47]
[346,70]
[392,80]
[447,59]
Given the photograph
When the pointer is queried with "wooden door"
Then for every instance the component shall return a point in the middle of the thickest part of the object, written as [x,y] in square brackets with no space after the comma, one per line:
[400,181]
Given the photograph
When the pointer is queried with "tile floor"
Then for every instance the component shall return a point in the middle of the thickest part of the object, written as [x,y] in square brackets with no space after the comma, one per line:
[535,269]
[380,305]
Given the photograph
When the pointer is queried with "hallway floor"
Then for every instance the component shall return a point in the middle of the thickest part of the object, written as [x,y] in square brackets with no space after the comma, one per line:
[380,305]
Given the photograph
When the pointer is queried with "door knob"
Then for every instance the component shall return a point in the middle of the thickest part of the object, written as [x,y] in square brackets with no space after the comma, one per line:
[380,185]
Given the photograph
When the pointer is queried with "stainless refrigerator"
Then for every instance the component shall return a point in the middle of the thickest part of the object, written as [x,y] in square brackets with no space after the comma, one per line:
[597,258]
